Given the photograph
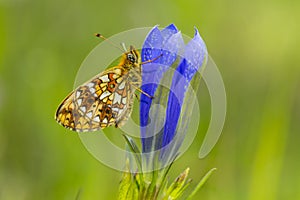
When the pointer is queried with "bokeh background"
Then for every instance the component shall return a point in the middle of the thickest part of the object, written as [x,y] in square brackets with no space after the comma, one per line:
[254,43]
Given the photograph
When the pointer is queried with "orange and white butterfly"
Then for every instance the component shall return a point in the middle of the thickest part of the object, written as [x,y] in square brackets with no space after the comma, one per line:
[106,99]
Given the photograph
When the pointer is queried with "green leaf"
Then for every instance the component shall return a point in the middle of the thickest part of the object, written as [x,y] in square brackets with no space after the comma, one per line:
[163,182]
[125,183]
[201,183]
[177,187]
[152,189]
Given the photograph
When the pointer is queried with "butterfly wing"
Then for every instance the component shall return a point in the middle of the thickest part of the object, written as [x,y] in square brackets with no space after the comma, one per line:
[124,96]
[101,102]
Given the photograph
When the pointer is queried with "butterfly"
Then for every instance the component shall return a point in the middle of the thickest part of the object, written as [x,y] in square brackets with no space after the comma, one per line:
[105,100]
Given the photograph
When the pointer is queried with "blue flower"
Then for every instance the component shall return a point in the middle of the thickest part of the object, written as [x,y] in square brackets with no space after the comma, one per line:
[164,120]
[167,45]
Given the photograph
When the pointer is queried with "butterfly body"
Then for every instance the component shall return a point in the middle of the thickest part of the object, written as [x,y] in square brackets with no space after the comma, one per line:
[105,100]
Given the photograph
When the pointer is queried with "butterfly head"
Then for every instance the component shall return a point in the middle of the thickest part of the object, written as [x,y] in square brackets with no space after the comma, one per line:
[132,57]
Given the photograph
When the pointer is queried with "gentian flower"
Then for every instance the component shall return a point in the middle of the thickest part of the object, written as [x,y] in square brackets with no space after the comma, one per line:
[164,127]
[168,43]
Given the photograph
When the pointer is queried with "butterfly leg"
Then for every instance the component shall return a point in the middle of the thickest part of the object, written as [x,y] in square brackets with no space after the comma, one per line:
[140,99]
[145,93]
[152,60]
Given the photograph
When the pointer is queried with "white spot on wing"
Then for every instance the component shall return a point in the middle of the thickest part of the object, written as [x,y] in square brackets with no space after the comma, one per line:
[89,114]
[97,119]
[115,109]
[104,78]
[92,90]
[104,94]
[79,101]
[90,85]
[105,120]
[83,108]
[124,100]
[122,85]
[78,94]
[117,98]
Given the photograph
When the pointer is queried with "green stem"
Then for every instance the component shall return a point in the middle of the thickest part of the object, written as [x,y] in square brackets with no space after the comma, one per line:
[136,152]
[162,182]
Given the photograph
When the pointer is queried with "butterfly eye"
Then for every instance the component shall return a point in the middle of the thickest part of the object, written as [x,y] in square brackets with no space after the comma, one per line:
[130,57]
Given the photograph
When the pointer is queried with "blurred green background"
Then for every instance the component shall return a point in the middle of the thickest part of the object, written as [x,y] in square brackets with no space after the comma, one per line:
[254,43]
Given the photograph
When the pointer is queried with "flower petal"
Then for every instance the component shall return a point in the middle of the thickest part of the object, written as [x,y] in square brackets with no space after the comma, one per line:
[194,56]
[160,44]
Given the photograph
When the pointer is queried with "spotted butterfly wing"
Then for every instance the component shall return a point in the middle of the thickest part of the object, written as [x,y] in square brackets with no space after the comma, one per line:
[103,101]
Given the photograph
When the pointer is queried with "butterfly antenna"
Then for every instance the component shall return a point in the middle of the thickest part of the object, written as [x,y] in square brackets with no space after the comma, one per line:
[104,38]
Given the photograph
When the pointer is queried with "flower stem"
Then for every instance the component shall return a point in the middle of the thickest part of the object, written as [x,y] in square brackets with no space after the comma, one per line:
[137,155]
